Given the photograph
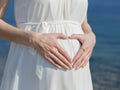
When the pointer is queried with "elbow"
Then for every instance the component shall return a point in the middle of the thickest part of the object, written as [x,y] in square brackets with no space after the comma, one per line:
[2,11]
[1,15]
[85,24]
[1,18]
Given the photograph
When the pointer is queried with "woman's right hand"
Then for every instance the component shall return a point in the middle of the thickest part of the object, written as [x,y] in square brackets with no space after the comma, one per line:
[46,44]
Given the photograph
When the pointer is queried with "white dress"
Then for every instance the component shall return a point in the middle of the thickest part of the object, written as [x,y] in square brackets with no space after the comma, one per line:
[25,69]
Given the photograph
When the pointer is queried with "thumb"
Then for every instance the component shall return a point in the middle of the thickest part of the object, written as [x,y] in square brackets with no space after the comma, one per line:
[77,36]
[60,35]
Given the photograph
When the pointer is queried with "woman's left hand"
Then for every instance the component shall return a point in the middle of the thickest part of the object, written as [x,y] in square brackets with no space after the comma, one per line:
[88,41]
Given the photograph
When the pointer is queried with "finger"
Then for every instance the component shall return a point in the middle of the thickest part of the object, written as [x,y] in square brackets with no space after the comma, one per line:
[77,56]
[83,65]
[84,59]
[62,58]
[77,36]
[77,64]
[56,60]
[81,58]
[53,63]
[60,35]
[80,55]
[64,53]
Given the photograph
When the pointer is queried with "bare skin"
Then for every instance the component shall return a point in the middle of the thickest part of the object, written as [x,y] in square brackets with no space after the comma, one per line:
[88,41]
[46,43]
[3,4]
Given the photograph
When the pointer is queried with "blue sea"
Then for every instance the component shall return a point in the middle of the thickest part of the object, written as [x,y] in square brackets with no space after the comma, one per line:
[104,18]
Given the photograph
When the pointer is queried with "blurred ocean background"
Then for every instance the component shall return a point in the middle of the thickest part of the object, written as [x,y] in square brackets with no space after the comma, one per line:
[104,18]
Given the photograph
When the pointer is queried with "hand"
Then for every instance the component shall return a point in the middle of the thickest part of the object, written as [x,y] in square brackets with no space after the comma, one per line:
[83,55]
[47,45]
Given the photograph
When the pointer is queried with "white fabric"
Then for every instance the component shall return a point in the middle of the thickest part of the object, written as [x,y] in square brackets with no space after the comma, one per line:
[25,68]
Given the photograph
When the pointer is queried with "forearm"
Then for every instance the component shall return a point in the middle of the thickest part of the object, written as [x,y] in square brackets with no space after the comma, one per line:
[14,34]
[3,5]
[87,28]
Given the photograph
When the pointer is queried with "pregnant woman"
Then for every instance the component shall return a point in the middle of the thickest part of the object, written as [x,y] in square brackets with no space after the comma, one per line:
[50,46]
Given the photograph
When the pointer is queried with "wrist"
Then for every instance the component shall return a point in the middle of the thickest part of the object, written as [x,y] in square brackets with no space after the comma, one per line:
[88,32]
[26,37]
[33,38]
[92,34]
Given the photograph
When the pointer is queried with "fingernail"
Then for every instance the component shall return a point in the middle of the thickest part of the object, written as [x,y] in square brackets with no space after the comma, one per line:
[74,65]
[76,68]
[71,67]
[82,66]
[73,61]
[59,67]
[68,68]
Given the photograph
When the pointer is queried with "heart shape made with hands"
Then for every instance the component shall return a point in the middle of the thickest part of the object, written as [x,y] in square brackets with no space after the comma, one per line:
[71,46]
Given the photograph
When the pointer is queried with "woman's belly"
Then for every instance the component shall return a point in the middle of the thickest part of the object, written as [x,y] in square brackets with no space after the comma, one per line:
[25,67]
[71,46]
